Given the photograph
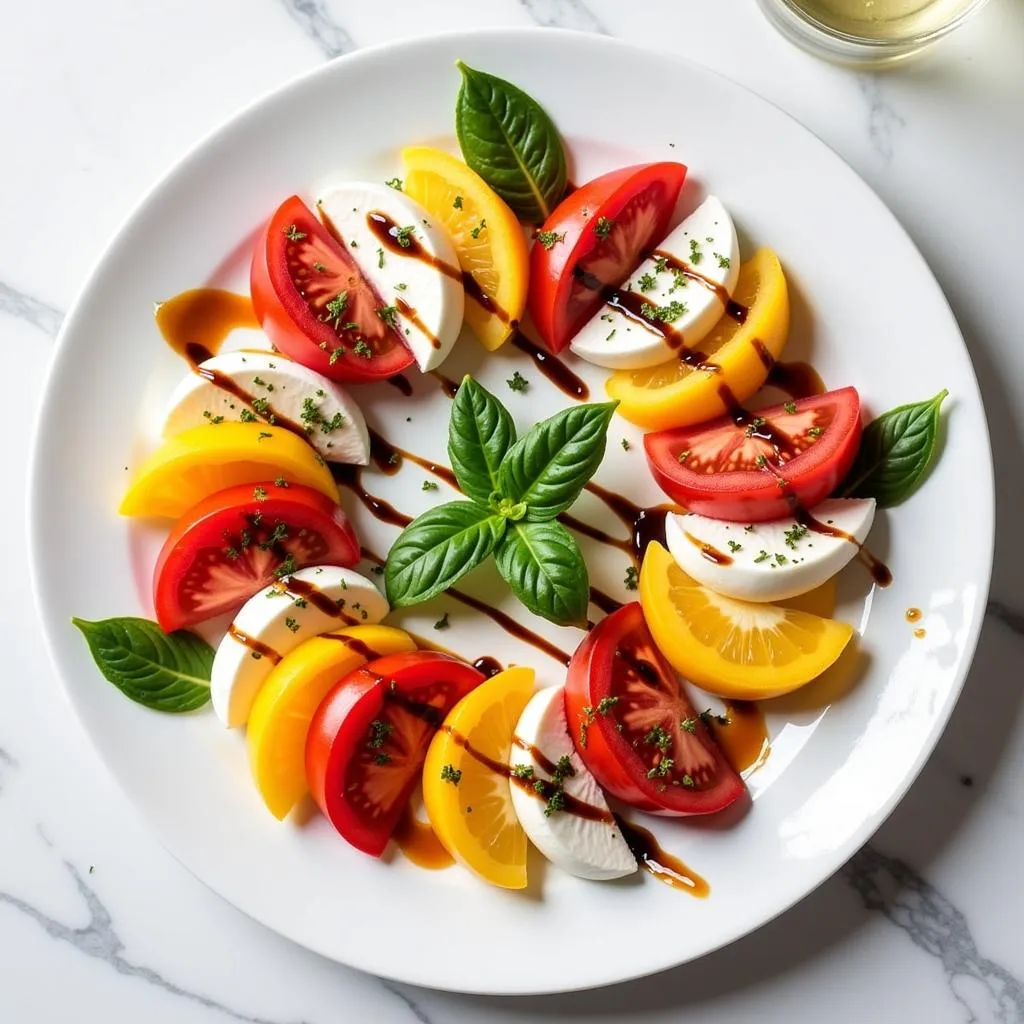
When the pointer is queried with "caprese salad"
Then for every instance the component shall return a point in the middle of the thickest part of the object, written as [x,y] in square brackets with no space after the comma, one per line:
[368,281]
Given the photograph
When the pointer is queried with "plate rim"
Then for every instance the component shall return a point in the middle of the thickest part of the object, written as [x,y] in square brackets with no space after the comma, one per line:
[34,495]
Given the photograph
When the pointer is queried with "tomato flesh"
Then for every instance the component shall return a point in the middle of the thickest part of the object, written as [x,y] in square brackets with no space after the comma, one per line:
[635,728]
[754,467]
[608,224]
[314,304]
[369,737]
[230,545]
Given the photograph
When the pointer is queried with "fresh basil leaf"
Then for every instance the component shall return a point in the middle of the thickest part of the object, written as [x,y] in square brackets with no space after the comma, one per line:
[544,566]
[548,467]
[509,140]
[438,548]
[895,452]
[163,671]
[480,432]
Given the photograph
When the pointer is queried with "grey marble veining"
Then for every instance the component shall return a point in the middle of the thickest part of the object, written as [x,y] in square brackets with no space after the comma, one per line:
[564,14]
[34,311]
[99,939]
[986,990]
[318,24]
[884,122]
[414,1008]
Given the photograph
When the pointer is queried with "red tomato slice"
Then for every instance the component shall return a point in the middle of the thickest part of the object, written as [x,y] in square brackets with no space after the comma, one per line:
[635,727]
[229,546]
[608,224]
[369,737]
[314,303]
[753,467]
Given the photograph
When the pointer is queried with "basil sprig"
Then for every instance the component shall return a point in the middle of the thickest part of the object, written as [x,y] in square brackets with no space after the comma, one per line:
[544,566]
[895,452]
[549,466]
[508,139]
[440,547]
[516,487]
[163,671]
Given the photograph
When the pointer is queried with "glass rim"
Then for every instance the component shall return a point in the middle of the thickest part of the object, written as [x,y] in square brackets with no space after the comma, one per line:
[914,41]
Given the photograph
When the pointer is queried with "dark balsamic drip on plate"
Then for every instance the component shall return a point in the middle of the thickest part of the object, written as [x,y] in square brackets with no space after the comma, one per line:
[401,383]
[487,665]
[389,458]
[595,533]
[623,509]
[418,841]
[798,380]
[350,477]
[506,622]
[664,866]
[742,734]
[448,386]
[649,526]
[553,368]
[202,318]
[511,627]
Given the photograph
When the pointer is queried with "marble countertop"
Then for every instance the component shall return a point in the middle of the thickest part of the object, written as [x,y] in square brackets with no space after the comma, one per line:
[98,922]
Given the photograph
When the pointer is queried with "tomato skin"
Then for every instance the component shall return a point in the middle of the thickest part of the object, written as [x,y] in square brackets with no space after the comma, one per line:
[202,533]
[286,316]
[597,752]
[576,217]
[611,753]
[340,764]
[756,495]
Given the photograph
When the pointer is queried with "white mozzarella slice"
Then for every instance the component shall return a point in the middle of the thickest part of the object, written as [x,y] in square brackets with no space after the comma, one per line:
[706,246]
[768,561]
[275,621]
[279,390]
[401,265]
[581,846]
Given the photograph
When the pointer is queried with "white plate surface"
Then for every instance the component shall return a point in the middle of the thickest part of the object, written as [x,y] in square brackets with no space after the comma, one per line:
[866,310]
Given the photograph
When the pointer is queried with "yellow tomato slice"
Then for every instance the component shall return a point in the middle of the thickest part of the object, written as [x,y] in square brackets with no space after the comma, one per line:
[474,817]
[673,394]
[486,235]
[735,649]
[195,463]
[280,716]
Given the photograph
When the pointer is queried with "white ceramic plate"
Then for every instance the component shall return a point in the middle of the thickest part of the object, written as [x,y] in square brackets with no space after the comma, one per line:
[866,310]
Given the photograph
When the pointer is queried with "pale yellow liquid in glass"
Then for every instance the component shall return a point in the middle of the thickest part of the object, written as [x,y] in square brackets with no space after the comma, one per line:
[884,19]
